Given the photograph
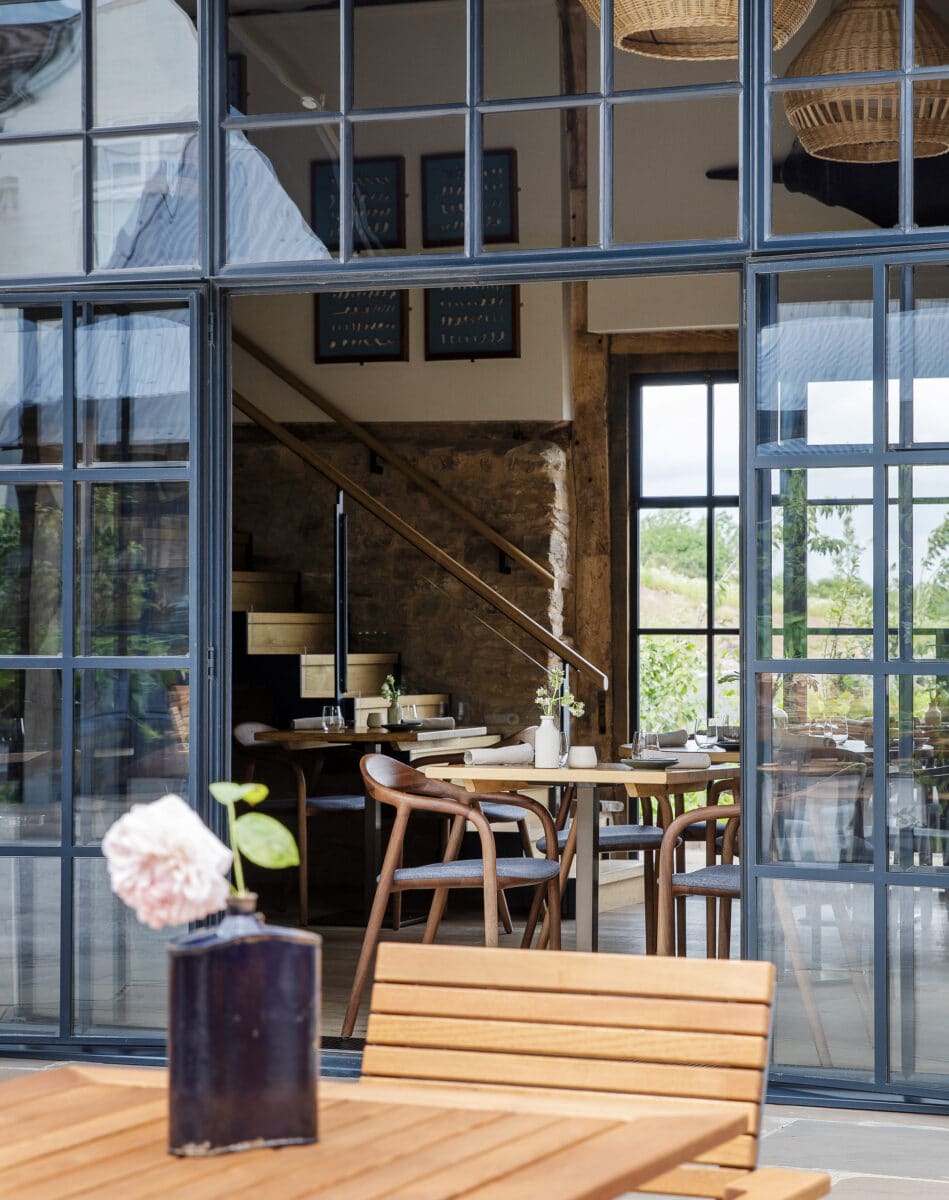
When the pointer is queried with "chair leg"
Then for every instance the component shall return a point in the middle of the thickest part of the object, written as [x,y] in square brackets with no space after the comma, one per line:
[526,842]
[666,925]
[532,916]
[440,899]
[566,862]
[490,911]
[553,912]
[505,913]
[649,899]
[725,928]
[376,917]
[682,940]
[397,910]
[710,917]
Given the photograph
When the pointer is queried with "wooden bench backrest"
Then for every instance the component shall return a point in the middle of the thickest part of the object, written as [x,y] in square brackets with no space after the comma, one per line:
[614,1027]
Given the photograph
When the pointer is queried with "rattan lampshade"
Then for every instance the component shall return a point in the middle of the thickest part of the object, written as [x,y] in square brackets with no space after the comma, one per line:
[698,29]
[862,124]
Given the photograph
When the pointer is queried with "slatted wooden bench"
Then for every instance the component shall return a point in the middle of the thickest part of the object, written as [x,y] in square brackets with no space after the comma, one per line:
[590,1031]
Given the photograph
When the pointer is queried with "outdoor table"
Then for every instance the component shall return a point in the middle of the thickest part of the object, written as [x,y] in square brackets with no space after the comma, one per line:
[103,1131]
[663,783]
[377,741]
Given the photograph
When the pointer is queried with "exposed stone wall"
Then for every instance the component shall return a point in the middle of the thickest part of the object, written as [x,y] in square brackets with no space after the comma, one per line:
[513,475]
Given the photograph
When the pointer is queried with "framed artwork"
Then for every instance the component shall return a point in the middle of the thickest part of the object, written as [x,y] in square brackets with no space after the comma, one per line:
[362,327]
[443,198]
[378,203]
[237,82]
[472,322]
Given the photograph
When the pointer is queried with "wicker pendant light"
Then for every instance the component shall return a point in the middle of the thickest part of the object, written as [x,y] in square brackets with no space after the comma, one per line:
[862,124]
[699,29]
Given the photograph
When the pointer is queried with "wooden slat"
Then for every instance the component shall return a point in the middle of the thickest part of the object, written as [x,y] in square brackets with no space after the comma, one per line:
[660,1079]
[774,1183]
[631,1012]
[611,974]
[571,1041]
[36,1084]
[692,1181]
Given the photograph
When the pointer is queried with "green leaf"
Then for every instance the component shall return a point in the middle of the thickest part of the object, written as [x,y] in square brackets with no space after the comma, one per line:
[226,793]
[254,793]
[265,841]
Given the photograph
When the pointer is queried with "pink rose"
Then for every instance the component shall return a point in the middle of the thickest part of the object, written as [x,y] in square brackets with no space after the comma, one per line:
[166,864]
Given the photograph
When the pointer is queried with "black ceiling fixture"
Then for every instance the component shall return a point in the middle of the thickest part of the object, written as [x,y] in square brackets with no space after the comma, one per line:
[869,189]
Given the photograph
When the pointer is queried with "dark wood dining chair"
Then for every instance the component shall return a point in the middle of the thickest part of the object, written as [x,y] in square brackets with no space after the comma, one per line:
[307,805]
[408,791]
[718,880]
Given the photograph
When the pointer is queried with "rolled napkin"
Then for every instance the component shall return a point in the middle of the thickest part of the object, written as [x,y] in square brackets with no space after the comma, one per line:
[520,755]
[689,758]
[307,723]
[678,737]
[437,723]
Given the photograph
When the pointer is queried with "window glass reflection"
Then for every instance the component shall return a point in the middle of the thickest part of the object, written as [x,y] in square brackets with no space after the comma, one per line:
[918,967]
[31,547]
[918,772]
[41,208]
[30,755]
[29,946]
[133,385]
[41,52]
[918,355]
[145,201]
[31,385]
[132,740]
[146,62]
[132,565]
[918,544]
[815,773]
[674,440]
[727,433]
[283,57]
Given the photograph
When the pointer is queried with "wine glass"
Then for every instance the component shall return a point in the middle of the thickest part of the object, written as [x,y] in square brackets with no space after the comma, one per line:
[706,732]
[332,718]
[837,730]
[410,712]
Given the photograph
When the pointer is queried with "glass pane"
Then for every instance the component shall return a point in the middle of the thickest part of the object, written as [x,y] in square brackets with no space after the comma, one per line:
[918,772]
[673,568]
[519,200]
[132,566]
[674,440]
[409,188]
[834,173]
[132,744]
[41,208]
[660,196]
[815,353]
[673,676]
[30,755]
[820,937]
[512,25]
[727,683]
[283,57]
[727,433]
[145,200]
[29,946]
[931,141]
[815,555]
[120,977]
[918,538]
[146,62]
[42,66]
[31,385]
[133,385]
[816,768]
[409,55]
[794,23]
[31,568]
[727,566]
[918,968]
[918,355]
[270,174]
[652,52]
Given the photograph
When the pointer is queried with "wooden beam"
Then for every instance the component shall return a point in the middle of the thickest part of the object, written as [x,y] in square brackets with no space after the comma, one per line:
[411,472]
[460,572]
[676,341]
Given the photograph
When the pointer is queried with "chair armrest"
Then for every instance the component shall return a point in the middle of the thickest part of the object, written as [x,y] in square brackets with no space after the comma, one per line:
[777,1183]
[517,800]
[717,812]
[440,804]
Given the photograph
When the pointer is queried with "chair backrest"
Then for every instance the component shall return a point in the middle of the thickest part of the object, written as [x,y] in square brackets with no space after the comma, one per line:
[613,1028]
[391,782]
[245,733]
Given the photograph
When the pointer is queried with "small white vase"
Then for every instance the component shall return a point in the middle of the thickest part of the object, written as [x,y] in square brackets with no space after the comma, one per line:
[547,744]
[394,714]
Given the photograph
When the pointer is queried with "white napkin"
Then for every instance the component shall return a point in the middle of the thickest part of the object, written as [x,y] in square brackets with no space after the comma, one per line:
[678,737]
[437,723]
[307,723]
[520,755]
[687,758]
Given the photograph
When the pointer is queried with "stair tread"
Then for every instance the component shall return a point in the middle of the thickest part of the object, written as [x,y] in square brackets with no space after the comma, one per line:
[288,618]
[266,576]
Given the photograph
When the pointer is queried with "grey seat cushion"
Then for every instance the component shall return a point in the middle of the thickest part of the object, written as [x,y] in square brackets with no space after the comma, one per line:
[616,837]
[696,832]
[723,877]
[503,812]
[336,803]
[470,871]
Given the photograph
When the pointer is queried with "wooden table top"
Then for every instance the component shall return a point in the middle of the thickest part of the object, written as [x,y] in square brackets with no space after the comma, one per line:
[303,739]
[102,1131]
[687,778]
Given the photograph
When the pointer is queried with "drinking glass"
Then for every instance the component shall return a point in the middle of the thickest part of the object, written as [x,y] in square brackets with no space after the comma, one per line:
[836,729]
[706,732]
[332,717]
[410,712]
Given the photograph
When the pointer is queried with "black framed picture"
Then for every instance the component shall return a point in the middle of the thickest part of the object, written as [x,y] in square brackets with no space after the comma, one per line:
[378,203]
[443,198]
[362,327]
[472,322]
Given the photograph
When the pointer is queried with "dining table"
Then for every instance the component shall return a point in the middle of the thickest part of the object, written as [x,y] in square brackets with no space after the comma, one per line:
[103,1131]
[669,785]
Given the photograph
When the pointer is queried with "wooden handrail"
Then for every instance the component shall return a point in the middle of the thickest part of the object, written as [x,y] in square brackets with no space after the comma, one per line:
[471,581]
[419,478]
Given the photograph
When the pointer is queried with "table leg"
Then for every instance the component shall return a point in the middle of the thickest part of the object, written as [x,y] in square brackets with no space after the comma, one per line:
[372,848]
[587,817]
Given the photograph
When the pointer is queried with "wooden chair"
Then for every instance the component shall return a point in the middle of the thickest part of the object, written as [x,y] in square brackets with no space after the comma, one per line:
[409,791]
[719,881]
[259,754]
[599,1032]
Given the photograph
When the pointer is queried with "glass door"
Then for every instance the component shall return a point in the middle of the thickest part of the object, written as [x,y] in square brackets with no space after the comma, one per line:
[99,644]
[847,670]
